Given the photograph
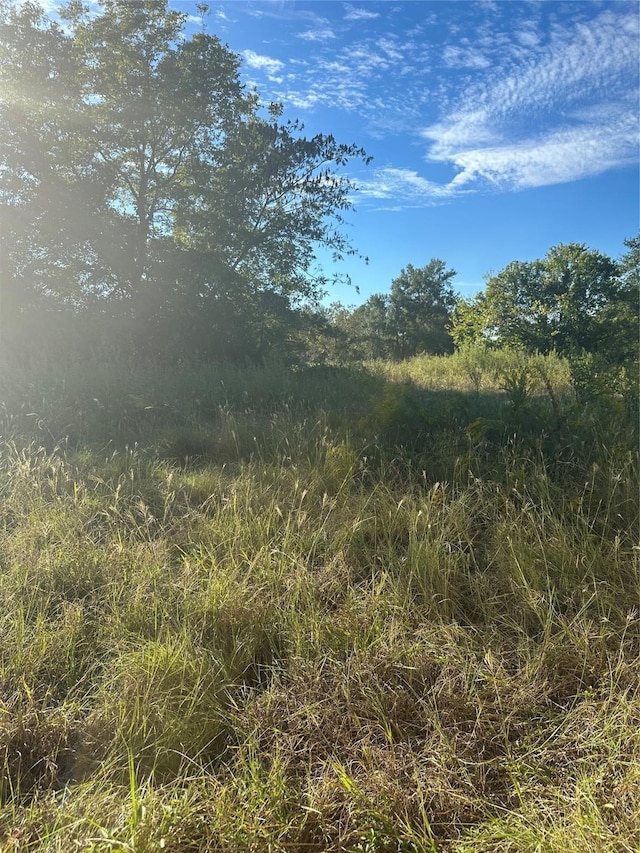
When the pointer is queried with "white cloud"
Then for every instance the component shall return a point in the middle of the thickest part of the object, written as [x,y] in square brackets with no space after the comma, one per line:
[527,36]
[323,34]
[567,112]
[270,66]
[391,49]
[402,185]
[304,100]
[548,98]
[352,13]
[465,57]
[553,158]
[343,81]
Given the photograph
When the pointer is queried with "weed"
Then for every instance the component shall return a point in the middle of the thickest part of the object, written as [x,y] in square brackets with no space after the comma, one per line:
[393,609]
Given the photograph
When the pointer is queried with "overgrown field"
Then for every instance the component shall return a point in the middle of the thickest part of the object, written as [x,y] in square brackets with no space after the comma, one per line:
[318,609]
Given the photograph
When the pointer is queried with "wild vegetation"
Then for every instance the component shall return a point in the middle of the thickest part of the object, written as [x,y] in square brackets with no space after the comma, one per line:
[391,608]
[152,206]
[148,199]
[277,576]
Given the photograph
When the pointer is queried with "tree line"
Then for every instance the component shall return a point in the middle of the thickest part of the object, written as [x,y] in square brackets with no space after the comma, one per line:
[573,301]
[150,203]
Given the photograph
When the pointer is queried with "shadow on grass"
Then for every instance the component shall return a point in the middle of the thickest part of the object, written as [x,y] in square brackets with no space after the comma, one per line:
[223,415]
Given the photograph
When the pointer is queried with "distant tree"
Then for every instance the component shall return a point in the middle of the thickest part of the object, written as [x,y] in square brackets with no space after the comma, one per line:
[322,334]
[468,323]
[421,303]
[630,264]
[414,317]
[620,315]
[135,169]
[562,302]
[370,326]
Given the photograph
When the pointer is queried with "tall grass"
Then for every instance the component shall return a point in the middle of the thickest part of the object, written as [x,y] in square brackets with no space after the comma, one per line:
[394,609]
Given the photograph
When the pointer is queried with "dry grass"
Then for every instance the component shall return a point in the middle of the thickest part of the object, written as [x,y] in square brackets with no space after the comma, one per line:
[243,616]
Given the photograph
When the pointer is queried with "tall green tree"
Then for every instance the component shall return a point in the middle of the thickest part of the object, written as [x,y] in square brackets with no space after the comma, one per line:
[53,201]
[136,171]
[252,225]
[562,302]
[371,328]
[620,315]
[158,106]
[273,198]
[421,303]
[469,323]
[413,317]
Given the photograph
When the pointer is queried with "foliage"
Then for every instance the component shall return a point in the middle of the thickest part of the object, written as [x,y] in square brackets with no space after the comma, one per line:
[421,302]
[468,323]
[573,300]
[140,180]
[619,315]
[576,302]
[414,317]
[370,326]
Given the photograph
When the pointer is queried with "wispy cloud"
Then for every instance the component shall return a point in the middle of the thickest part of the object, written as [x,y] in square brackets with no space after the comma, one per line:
[353,13]
[555,157]
[527,35]
[304,100]
[465,57]
[528,125]
[270,66]
[523,95]
[321,34]
[400,188]
[377,78]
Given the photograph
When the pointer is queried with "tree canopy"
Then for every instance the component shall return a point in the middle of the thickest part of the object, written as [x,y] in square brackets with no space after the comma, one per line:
[413,317]
[574,300]
[138,177]
[421,302]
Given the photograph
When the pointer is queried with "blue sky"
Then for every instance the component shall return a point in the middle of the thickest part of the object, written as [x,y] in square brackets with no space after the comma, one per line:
[497,129]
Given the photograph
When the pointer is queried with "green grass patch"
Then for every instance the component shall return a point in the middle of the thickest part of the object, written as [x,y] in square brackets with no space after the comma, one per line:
[392,608]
